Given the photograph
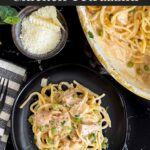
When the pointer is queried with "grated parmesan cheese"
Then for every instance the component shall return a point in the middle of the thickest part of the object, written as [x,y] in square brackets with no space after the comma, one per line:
[41,31]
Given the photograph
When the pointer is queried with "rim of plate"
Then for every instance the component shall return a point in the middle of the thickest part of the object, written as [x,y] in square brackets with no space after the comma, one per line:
[86,26]
[34,77]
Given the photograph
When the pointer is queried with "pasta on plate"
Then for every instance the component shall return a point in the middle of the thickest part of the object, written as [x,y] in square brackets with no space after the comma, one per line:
[68,116]
[127,27]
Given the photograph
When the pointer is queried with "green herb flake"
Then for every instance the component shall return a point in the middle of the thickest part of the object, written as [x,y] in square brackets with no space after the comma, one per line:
[78,119]
[75,95]
[30,120]
[130,64]
[104,144]
[53,130]
[90,34]
[96,111]
[35,139]
[49,141]
[92,137]
[41,128]
[146,68]
[67,129]
[100,32]
[139,71]
[55,106]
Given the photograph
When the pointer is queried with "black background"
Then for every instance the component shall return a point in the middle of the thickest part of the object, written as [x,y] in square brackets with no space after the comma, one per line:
[74,2]
[78,51]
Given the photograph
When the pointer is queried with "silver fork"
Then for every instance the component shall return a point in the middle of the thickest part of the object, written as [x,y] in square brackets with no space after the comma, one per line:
[3,91]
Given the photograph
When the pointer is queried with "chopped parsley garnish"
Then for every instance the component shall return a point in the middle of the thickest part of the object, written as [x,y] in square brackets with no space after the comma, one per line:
[35,139]
[100,32]
[30,119]
[78,119]
[96,111]
[90,34]
[139,71]
[146,68]
[41,128]
[104,144]
[55,106]
[92,137]
[75,95]
[130,64]
[53,130]
[49,141]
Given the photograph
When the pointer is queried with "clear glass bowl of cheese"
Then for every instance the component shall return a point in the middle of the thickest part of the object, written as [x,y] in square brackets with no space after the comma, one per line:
[42,32]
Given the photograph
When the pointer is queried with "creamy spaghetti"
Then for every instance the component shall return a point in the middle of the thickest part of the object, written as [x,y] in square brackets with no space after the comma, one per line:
[68,117]
[129,28]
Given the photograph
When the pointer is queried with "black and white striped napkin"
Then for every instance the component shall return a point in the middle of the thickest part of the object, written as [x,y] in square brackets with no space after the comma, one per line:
[15,76]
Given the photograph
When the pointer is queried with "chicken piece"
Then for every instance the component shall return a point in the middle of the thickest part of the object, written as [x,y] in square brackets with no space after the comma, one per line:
[87,129]
[70,97]
[79,109]
[42,118]
[123,18]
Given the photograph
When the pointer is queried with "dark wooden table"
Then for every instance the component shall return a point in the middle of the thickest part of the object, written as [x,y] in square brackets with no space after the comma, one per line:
[78,51]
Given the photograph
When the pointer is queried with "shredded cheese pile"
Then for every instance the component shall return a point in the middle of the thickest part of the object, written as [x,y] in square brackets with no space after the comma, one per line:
[41,31]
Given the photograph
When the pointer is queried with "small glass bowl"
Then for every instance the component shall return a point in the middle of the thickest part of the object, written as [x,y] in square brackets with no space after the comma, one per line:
[16,31]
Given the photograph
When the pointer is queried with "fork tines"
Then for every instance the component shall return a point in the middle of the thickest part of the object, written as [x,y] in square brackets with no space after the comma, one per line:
[3,88]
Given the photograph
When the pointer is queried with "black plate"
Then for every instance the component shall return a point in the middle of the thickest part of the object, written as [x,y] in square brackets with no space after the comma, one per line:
[21,130]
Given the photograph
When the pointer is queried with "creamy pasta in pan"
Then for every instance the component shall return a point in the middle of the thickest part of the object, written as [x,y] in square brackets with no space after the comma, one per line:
[125,34]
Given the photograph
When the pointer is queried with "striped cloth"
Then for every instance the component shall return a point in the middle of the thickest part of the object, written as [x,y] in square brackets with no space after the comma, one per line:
[15,76]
